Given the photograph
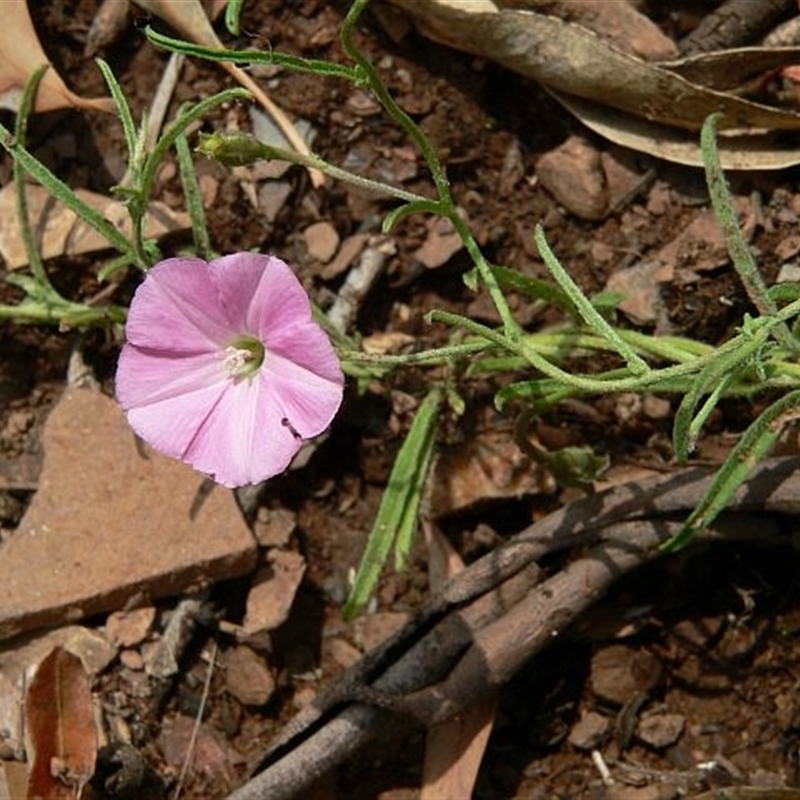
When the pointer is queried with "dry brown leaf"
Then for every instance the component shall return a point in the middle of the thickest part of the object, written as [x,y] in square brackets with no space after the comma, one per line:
[569,58]
[61,728]
[190,20]
[61,232]
[728,69]
[18,660]
[486,466]
[21,55]
[648,107]
[617,21]
[736,151]
[454,749]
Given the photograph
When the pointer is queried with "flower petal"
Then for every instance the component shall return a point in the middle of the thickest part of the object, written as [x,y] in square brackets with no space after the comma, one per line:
[180,396]
[177,308]
[145,377]
[170,424]
[308,346]
[243,440]
[259,293]
[308,401]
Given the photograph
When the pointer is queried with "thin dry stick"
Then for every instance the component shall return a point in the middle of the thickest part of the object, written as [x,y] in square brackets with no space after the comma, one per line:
[735,23]
[197,721]
[158,106]
[162,98]
[532,624]
[190,19]
[281,120]
[359,281]
[456,655]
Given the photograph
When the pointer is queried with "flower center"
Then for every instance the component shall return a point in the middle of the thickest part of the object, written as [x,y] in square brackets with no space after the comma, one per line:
[244,357]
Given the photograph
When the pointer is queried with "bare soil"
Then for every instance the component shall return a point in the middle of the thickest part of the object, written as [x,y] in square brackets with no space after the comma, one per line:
[712,634]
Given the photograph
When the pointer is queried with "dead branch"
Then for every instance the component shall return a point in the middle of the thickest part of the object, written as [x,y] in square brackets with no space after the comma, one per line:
[735,23]
[497,614]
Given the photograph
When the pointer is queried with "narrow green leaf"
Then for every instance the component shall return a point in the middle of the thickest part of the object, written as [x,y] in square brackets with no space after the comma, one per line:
[784,292]
[713,380]
[742,257]
[247,57]
[413,207]
[125,115]
[232,13]
[511,280]
[588,312]
[407,531]
[46,288]
[753,445]
[701,417]
[185,118]
[194,200]
[402,496]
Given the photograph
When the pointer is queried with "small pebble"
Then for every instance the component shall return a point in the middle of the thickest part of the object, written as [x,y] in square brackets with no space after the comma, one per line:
[247,677]
[661,730]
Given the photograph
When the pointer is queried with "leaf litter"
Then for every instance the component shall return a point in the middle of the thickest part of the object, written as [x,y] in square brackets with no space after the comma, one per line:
[350,502]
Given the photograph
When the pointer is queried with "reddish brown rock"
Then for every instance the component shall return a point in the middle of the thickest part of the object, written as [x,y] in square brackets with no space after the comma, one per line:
[573,174]
[620,673]
[112,520]
[247,677]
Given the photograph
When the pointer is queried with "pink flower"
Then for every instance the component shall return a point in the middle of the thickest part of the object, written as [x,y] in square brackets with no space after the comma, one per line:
[224,366]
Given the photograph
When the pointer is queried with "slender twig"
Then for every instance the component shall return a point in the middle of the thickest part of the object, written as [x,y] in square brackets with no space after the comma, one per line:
[479,640]
[198,721]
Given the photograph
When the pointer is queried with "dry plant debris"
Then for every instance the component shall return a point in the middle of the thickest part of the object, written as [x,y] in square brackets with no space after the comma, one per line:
[282,638]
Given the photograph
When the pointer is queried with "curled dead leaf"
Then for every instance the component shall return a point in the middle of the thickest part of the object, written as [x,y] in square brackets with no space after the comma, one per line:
[653,108]
[21,55]
[60,230]
[62,736]
[616,21]
[728,69]
[737,151]
[569,58]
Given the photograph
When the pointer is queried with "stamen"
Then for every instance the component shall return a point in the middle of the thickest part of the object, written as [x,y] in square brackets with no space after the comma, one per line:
[237,360]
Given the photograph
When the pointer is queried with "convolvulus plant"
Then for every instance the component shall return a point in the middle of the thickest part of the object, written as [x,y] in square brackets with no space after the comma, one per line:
[235,357]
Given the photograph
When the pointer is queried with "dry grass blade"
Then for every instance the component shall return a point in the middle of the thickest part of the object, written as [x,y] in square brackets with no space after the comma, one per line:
[212,661]
[190,20]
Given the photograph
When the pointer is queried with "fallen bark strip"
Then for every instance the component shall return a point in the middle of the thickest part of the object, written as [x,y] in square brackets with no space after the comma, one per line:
[736,23]
[498,613]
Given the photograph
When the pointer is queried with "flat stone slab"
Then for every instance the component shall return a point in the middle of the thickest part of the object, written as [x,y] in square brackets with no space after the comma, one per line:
[113,521]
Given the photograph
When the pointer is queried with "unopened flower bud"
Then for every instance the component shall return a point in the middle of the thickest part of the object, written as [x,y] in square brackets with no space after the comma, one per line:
[232,149]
